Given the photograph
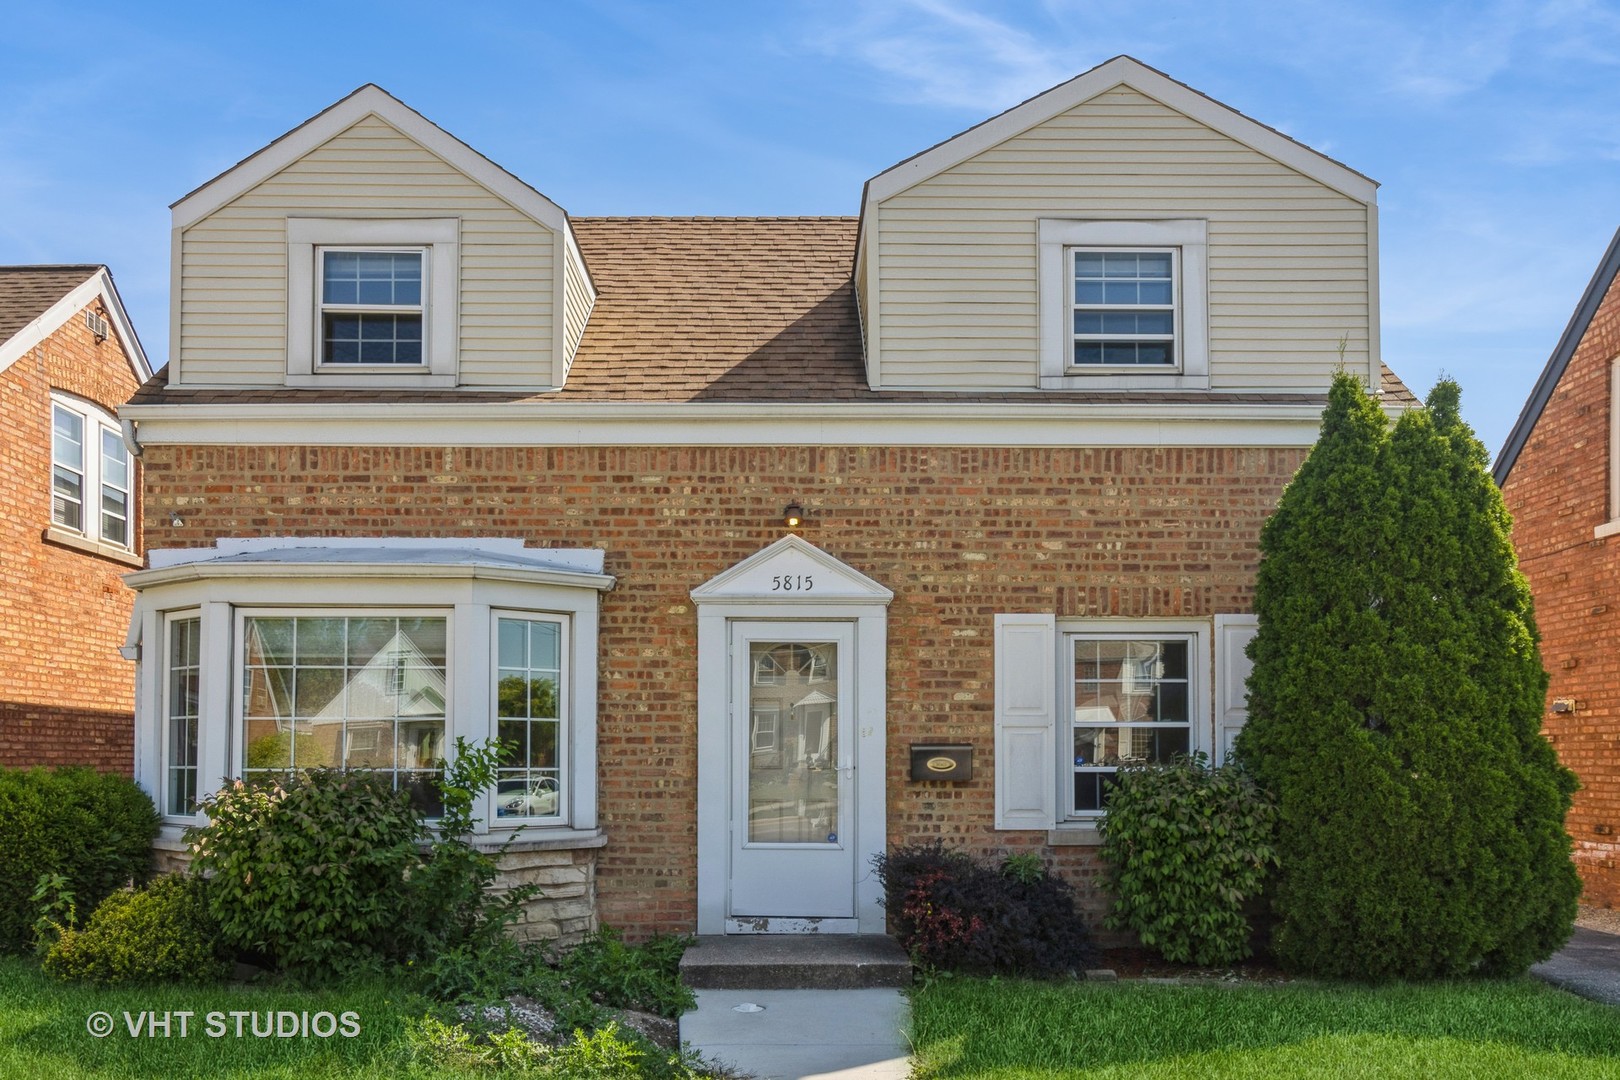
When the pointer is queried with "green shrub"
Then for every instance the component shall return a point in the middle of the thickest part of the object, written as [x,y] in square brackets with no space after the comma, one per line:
[310,870]
[452,910]
[94,829]
[646,977]
[1395,709]
[953,914]
[162,932]
[1186,846]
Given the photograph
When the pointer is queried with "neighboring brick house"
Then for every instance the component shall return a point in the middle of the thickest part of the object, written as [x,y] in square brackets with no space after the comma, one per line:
[1560,476]
[719,518]
[70,525]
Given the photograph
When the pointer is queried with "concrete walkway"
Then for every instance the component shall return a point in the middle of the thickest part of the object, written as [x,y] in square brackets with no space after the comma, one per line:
[1589,965]
[800,1034]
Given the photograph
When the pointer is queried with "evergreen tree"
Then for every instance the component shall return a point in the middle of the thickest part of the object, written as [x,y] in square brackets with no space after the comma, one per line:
[1395,709]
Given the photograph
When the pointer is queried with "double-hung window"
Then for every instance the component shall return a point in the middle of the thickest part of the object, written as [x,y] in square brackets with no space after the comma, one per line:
[91,476]
[371,306]
[1131,704]
[1123,304]
[1124,308]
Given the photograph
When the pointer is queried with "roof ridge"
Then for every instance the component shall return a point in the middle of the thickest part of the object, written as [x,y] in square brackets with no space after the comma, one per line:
[696,218]
[18,267]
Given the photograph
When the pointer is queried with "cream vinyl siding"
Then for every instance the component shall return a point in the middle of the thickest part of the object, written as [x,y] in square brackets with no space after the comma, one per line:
[233,277]
[955,270]
[578,299]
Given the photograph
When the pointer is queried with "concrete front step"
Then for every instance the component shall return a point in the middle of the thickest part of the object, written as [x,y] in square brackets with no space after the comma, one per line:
[795,962]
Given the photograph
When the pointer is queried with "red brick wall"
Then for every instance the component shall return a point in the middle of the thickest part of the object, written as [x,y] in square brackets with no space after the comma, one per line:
[958,534]
[1558,492]
[67,696]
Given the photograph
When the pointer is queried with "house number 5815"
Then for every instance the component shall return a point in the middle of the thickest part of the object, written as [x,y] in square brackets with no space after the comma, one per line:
[792,583]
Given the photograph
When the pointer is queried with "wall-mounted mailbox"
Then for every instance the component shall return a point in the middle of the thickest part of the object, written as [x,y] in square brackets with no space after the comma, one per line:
[940,761]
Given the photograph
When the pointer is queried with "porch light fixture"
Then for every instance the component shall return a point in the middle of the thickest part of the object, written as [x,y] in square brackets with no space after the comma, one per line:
[793,515]
[175,521]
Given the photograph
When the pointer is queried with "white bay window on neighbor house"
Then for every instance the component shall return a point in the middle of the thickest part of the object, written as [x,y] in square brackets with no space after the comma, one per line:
[91,475]
[279,655]
[1123,304]
[1078,699]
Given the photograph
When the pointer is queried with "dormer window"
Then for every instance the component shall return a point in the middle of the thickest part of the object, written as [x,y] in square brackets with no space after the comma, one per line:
[1124,304]
[373,302]
[371,306]
[1124,308]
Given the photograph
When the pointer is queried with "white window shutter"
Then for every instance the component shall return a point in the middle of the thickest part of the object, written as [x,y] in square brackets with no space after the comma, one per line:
[1026,718]
[1232,636]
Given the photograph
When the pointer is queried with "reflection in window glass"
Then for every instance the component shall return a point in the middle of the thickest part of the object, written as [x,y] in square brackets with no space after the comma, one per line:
[348,692]
[793,743]
[528,683]
[1132,705]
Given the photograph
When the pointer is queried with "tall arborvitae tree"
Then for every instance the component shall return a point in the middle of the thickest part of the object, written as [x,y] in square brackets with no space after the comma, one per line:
[1525,857]
[1395,709]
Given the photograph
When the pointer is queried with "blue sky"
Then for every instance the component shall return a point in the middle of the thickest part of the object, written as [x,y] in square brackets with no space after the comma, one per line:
[1492,127]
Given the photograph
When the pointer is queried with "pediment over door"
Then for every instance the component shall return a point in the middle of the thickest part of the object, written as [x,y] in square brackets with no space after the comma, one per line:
[788,570]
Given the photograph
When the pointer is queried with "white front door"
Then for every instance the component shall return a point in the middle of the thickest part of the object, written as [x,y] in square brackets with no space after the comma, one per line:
[793,785]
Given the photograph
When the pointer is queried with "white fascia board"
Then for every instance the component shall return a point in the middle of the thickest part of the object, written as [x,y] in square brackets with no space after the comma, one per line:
[300,571]
[98,284]
[723,424]
[369,100]
[1100,79]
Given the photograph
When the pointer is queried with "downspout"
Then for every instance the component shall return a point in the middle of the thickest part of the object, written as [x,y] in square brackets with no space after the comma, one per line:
[130,442]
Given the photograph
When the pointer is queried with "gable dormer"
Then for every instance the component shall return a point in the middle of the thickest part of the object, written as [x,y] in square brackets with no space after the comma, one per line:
[1120,231]
[370,248]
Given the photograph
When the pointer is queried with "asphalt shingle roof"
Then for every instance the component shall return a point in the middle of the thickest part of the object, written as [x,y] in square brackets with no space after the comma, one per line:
[27,292]
[716,310]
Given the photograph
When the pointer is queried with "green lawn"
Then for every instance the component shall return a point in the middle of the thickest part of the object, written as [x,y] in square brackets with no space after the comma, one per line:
[43,1032]
[1496,1030]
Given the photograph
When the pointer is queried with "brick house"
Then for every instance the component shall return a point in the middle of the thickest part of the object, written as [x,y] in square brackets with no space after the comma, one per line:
[70,529]
[1561,479]
[741,529]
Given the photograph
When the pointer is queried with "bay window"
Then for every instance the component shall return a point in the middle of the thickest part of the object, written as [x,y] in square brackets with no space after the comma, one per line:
[279,654]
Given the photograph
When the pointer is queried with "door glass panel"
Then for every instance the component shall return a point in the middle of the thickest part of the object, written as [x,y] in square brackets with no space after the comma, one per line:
[792,742]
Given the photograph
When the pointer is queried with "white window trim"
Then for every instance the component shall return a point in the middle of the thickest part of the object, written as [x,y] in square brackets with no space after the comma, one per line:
[1188,238]
[96,421]
[1200,672]
[437,238]
[466,601]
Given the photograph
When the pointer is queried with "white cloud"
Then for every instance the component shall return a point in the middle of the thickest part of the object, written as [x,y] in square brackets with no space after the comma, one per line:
[939,52]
